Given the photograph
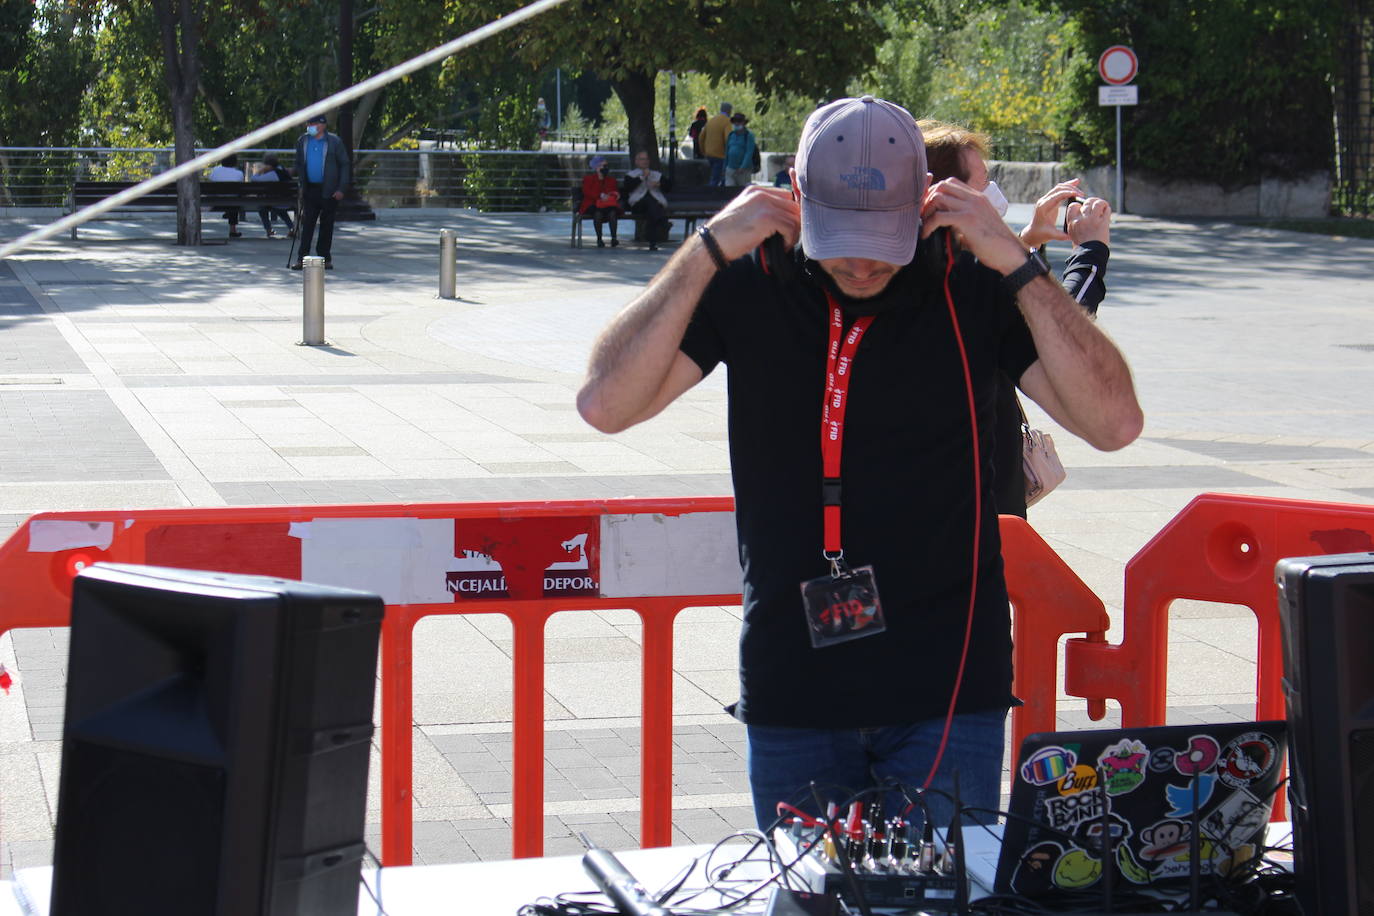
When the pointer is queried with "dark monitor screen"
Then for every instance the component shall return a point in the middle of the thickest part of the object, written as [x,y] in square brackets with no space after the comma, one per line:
[215,744]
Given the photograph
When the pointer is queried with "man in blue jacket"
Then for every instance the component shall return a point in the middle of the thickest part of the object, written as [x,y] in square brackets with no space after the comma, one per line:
[322,170]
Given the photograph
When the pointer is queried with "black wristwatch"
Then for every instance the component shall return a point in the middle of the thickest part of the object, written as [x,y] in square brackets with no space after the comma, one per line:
[1035,266]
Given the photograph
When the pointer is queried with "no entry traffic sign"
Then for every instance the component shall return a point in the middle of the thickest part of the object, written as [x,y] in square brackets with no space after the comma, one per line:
[1118,65]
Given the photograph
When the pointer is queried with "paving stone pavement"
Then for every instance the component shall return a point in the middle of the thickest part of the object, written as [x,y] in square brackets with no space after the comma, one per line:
[137,374]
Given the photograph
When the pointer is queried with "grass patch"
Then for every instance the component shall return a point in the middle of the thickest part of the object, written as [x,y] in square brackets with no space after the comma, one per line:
[1335,226]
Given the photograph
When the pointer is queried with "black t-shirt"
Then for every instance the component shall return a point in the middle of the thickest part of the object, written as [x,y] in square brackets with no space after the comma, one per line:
[907,489]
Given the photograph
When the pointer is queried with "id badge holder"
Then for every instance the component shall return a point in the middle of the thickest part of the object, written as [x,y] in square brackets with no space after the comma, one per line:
[842,606]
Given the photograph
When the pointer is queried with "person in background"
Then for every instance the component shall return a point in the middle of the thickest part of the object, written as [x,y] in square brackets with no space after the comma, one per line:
[601,198]
[740,150]
[269,170]
[542,119]
[644,192]
[694,131]
[322,164]
[228,170]
[957,152]
[713,137]
[784,177]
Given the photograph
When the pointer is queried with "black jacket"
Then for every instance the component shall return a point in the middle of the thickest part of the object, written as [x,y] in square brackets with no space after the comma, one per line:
[335,163]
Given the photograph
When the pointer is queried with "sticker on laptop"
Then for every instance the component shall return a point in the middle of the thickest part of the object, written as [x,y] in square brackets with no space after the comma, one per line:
[1035,872]
[1180,798]
[1238,818]
[1247,757]
[1200,756]
[1124,765]
[1068,811]
[1079,779]
[1047,765]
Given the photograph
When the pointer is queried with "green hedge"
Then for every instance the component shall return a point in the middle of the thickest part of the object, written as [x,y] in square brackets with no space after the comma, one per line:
[1229,89]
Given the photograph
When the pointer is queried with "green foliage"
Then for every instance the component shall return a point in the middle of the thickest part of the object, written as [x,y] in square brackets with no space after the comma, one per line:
[1229,89]
[992,67]
[45,63]
[773,46]
[776,121]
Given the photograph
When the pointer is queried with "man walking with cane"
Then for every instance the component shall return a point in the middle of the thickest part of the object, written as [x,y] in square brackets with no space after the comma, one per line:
[322,171]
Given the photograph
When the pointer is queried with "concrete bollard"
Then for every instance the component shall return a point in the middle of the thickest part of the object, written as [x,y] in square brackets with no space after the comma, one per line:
[448,264]
[312,299]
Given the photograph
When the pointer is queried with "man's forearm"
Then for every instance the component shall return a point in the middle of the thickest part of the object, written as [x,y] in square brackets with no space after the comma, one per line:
[1088,375]
[632,356]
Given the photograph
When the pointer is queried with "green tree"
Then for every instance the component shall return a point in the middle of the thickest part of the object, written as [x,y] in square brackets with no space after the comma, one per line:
[775,46]
[994,67]
[1229,89]
[45,63]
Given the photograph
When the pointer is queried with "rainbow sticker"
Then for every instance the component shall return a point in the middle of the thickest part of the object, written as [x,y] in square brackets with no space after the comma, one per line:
[1047,765]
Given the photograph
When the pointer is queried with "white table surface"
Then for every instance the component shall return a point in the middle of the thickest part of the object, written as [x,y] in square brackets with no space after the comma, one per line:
[471,889]
[501,888]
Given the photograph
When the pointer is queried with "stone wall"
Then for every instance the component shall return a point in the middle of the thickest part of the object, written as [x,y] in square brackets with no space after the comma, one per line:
[1307,196]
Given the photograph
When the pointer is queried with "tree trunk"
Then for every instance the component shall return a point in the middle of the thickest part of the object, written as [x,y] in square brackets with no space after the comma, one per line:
[179,27]
[636,93]
[362,113]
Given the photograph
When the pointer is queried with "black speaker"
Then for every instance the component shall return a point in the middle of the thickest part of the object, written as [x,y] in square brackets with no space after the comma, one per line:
[215,747]
[1326,605]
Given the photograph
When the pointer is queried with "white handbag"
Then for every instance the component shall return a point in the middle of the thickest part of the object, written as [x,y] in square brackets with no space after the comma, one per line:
[1044,470]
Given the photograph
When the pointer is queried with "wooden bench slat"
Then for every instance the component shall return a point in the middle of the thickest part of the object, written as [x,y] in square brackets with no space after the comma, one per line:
[214,195]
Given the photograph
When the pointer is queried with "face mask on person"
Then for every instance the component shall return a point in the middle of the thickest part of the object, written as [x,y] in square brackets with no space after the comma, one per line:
[998,199]
[739,127]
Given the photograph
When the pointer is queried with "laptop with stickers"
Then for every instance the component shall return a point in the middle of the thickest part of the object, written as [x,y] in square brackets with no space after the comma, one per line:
[1161,792]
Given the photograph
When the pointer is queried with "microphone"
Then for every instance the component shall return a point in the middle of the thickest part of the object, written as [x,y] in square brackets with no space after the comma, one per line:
[615,881]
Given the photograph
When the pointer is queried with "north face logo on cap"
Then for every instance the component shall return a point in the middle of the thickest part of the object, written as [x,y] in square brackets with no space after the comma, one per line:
[865,178]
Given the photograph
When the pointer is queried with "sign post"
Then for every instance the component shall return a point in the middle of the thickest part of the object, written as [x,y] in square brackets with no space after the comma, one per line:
[1117,66]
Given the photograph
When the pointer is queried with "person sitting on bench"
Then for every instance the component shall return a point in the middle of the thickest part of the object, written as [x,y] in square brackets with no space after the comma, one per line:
[644,191]
[601,198]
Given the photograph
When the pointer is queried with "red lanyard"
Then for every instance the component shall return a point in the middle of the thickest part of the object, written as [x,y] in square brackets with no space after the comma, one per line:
[839,368]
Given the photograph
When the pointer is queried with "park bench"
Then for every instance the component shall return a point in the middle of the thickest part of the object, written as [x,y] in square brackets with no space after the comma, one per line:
[214,195]
[686,204]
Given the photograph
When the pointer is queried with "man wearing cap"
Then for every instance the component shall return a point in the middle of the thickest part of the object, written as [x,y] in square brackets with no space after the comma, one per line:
[322,169]
[876,639]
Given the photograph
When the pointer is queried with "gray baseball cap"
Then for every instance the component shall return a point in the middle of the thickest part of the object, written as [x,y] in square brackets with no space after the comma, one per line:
[861,171]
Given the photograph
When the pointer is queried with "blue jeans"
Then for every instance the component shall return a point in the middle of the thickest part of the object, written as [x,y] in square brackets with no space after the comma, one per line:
[717,171]
[783,762]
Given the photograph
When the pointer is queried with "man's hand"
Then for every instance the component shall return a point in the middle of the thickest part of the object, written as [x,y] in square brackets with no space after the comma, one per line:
[1090,221]
[979,228]
[755,214]
[337,195]
[1043,226]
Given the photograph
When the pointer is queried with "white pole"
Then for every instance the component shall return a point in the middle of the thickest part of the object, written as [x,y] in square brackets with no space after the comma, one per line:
[1120,202]
[558,100]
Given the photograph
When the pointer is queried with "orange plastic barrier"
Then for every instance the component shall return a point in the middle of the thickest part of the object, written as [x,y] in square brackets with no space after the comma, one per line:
[527,561]
[1049,600]
[1220,548]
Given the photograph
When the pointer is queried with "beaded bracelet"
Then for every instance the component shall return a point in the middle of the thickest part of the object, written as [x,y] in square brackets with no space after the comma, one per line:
[712,246]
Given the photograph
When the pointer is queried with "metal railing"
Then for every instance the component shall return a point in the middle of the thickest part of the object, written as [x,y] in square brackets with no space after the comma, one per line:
[438,176]
[489,180]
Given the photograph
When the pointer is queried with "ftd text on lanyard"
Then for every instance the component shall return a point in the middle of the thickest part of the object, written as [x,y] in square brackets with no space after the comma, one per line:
[839,368]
